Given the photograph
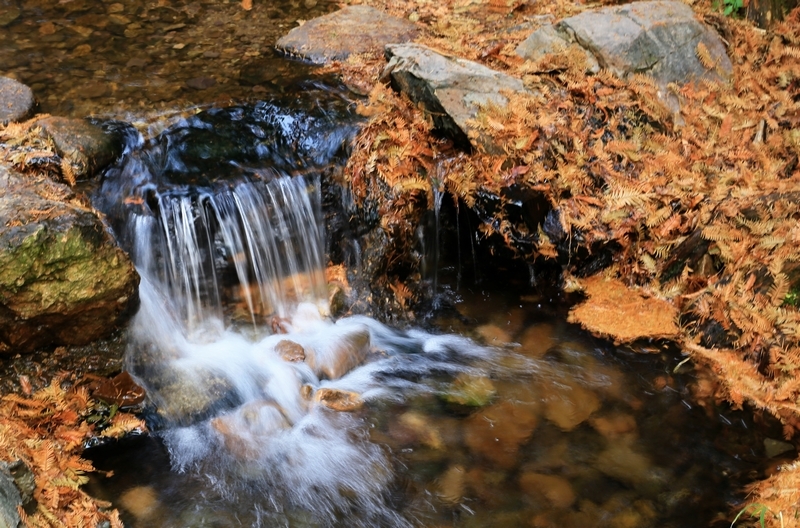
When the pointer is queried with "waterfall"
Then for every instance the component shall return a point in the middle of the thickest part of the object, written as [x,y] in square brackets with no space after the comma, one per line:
[256,244]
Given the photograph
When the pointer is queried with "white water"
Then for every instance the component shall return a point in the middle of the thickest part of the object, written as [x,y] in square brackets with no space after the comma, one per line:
[236,411]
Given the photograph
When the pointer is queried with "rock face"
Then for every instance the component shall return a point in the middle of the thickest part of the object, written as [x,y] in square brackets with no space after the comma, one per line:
[663,39]
[16,100]
[63,280]
[354,29]
[451,89]
[80,142]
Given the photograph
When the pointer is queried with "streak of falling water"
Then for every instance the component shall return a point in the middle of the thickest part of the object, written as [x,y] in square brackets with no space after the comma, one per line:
[270,233]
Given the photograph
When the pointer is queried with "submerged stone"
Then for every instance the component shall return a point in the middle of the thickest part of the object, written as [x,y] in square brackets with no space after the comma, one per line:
[354,29]
[557,490]
[569,404]
[140,501]
[497,432]
[469,390]
[63,279]
[452,484]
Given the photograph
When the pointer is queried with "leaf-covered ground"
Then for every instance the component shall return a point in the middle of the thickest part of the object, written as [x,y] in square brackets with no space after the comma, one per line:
[47,431]
[701,210]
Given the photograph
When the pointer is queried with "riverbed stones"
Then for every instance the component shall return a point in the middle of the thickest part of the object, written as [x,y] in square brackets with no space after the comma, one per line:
[568,404]
[16,101]
[554,488]
[497,432]
[352,30]
[85,145]
[63,279]
[452,90]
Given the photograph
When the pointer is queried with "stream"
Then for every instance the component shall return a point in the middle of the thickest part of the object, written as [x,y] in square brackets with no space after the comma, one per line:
[268,411]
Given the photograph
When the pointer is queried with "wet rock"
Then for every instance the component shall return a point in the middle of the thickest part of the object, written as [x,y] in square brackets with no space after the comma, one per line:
[140,501]
[557,490]
[569,404]
[354,29]
[290,351]
[10,500]
[16,100]
[338,400]
[244,430]
[345,350]
[63,279]
[498,431]
[450,89]
[549,40]
[85,145]
[121,390]
[471,391]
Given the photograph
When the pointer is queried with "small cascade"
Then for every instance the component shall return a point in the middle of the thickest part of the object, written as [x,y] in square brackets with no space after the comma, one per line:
[255,245]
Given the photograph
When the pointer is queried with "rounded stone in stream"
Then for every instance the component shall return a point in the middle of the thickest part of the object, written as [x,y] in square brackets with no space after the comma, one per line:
[16,101]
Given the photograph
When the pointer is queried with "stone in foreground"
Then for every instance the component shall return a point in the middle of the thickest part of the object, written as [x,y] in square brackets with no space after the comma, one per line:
[352,30]
[452,90]
[63,279]
[16,101]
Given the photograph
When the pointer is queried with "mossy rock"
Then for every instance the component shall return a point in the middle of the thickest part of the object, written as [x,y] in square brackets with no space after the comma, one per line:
[63,279]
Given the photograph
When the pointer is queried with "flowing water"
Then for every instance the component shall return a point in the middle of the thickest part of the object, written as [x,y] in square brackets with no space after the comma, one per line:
[268,412]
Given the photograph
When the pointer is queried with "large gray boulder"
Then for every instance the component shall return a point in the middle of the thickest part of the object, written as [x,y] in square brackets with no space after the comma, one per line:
[661,38]
[354,29]
[16,101]
[452,90]
[63,279]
